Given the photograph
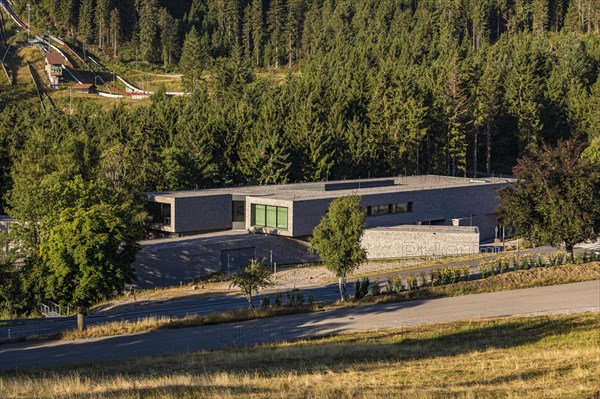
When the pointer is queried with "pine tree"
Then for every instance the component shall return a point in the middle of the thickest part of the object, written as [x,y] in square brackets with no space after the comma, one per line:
[254,30]
[148,24]
[67,14]
[294,19]
[102,21]
[86,23]
[275,25]
[456,113]
[168,37]
[540,14]
[194,57]
[524,89]
[486,95]
[115,29]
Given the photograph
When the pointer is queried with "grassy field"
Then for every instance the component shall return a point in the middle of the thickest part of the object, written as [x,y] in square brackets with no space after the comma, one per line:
[549,357]
[514,280]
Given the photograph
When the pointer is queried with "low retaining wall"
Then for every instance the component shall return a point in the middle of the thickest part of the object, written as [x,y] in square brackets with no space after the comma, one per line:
[414,241]
[168,262]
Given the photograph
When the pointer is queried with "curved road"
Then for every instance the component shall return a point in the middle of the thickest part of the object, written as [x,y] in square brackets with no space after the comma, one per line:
[184,307]
[566,298]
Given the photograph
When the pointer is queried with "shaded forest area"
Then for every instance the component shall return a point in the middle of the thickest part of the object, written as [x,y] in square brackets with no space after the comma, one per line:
[371,88]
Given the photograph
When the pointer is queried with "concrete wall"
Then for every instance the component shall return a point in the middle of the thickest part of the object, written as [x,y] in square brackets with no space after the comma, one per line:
[206,213]
[486,223]
[414,241]
[436,204]
[266,200]
[445,204]
[308,214]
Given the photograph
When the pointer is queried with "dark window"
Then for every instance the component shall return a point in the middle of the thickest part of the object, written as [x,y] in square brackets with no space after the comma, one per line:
[375,210]
[238,209]
[159,213]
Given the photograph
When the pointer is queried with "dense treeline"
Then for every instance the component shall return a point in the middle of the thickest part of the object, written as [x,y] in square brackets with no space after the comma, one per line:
[451,87]
[376,88]
[276,32]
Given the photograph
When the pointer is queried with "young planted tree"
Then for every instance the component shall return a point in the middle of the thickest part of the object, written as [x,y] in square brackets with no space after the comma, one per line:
[254,277]
[337,238]
[556,198]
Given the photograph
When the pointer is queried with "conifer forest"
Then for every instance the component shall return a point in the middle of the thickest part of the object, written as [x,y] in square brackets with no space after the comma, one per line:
[363,88]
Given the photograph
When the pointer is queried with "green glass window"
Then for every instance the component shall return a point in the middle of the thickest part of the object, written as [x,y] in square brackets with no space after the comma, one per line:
[271,216]
[260,215]
[282,218]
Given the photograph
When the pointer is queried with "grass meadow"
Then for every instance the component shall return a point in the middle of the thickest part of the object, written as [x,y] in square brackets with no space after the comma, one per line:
[528,357]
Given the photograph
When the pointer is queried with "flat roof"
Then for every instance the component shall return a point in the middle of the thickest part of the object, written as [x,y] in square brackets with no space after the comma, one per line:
[338,188]
[427,229]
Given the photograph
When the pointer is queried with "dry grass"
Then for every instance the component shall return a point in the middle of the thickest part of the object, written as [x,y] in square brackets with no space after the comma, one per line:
[537,277]
[550,357]
[513,280]
[155,323]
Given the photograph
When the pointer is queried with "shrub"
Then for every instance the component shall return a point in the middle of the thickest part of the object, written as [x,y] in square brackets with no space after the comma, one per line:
[412,282]
[446,275]
[517,263]
[435,277]
[357,289]
[278,299]
[455,274]
[291,298]
[424,279]
[299,298]
[364,287]
[397,282]
[489,268]
[389,286]
[503,265]
[466,272]
[375,289]
[265,302]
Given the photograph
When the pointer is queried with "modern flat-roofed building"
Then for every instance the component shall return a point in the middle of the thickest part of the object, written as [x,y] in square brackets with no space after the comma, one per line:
[294,210]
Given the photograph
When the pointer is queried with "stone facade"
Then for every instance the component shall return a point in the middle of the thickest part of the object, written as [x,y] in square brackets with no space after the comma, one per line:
[417,241]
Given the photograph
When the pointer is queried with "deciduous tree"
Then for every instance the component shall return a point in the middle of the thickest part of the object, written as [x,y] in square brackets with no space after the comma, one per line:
[556,198]
[88,252]
[254,277]
[337,238]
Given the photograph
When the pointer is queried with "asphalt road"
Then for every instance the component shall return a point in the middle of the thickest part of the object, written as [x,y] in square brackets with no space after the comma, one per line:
[566,298]
[180,308]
